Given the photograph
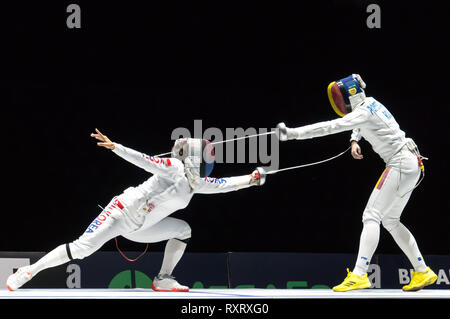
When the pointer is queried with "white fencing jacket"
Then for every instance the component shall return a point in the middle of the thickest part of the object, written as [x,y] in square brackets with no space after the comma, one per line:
[168,189]
[369,119]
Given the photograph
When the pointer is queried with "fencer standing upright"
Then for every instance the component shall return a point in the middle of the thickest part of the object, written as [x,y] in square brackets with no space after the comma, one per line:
[371,120]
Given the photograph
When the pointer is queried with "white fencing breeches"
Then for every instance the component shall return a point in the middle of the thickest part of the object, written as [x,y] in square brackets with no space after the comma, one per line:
[176,231]
[393,190]
[165,229]
[115,220]
[385,205]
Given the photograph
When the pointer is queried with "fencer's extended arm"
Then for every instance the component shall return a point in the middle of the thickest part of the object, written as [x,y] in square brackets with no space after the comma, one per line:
[352,120]
[212,185]
[151,164]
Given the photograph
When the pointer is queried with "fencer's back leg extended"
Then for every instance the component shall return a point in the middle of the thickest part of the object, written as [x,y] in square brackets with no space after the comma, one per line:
[106,226]
[109,224]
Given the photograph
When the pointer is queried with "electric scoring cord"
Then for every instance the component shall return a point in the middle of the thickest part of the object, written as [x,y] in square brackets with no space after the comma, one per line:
[274,171]
[309,164]
[120,251]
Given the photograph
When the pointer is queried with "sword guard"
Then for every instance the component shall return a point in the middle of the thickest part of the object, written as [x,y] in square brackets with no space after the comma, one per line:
[262,175]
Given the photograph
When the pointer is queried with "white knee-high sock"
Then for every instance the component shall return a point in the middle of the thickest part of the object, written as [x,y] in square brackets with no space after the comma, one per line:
[172,255]
[406,241]
[368,243]
[56,257]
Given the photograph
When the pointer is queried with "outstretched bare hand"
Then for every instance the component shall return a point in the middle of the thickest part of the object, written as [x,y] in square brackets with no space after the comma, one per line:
[104,140]
[356,151]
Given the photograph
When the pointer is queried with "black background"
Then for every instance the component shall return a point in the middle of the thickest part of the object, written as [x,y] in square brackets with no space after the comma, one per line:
[137,71]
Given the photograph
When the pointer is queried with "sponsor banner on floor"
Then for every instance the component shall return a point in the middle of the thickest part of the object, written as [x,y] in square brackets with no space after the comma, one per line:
[221,270]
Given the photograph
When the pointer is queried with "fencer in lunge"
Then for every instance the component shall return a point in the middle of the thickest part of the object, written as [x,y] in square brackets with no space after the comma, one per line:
[370,119]
[141,213]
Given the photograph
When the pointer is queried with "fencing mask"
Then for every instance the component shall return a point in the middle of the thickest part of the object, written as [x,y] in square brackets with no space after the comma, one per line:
[346,93]
[197,156]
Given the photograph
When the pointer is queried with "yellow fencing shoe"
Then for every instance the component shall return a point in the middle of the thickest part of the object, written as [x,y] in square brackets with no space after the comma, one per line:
[352,282]
[420,279]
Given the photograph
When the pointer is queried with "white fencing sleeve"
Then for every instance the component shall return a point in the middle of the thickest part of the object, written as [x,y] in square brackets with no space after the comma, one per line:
[212,185]
[352,120]
[356,135]
[151,164]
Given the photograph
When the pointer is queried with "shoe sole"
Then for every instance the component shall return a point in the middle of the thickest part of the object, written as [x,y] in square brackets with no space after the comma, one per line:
[349,289]
[428,282]
[170,290]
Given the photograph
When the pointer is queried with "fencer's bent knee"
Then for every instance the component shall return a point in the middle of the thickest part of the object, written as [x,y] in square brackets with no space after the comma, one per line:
[371,221]
[185,232]
[371,215]
[390,223]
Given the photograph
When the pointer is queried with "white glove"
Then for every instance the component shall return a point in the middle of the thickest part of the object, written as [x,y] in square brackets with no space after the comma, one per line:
[284,133]
[358,78]
[258,177]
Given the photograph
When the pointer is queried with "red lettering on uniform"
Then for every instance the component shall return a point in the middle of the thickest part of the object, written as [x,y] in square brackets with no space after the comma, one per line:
[158,160]
[119,204]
